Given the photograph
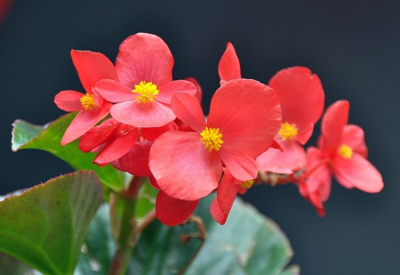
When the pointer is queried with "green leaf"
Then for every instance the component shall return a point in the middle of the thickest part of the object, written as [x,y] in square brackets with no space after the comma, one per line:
[46,225]
[48,138]
[99,246]
[252,243]
[248,244]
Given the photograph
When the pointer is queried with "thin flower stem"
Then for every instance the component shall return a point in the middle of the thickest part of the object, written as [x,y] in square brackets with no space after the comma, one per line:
[120,261]
[128,230]
[133,188]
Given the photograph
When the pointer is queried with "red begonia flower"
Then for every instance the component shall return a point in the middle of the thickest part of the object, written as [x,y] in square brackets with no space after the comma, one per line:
[302,100]
[344,146]
[244,117]
[145,88]
[91,67]
[342,153]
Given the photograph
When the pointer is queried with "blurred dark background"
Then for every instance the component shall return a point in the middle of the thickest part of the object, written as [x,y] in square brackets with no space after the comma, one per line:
[353,46]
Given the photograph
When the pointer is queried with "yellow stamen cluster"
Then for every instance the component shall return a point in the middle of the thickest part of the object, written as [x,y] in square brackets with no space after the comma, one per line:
[247,184]
[212,138]
[148,92]
[287,131]
[345,151]
[87,102]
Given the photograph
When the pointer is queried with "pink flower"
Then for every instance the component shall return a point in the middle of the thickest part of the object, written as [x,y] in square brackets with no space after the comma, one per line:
[91,67]
[244,117]
[145,88]
[302,100]
[341,152]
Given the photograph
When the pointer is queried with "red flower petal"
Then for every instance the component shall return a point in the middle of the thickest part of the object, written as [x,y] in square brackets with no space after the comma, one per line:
[353,136]
[333,123]
[303,136]
[241,166]
[291,159]
[177,86]
[172,211]
[83,122]
[98,135]
[153,133]
[152,114]
[357,172]
[92,67]
[229,65]
[144,57]
[189,111]
[217,213]
[119,145]
[136,161]
[153,181]
[276,145]
[114,91]
[226,192]
[183,168]
[69,101]
[199,92]
[301,96]
[320,179]
[248,115]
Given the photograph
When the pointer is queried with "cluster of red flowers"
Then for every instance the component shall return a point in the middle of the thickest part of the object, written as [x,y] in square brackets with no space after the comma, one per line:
[154,126]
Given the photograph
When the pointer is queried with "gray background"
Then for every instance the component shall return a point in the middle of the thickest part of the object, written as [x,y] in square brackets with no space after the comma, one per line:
[353,46]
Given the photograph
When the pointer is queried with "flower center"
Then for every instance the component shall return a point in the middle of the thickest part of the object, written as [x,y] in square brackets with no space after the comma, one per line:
[345,151]
[87,102]
[147,92]
[247,184]
[211,137]
[287,131]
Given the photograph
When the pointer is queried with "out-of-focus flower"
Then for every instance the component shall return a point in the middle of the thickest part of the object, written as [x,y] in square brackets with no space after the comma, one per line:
[302,100]
[341,152]
[91,67]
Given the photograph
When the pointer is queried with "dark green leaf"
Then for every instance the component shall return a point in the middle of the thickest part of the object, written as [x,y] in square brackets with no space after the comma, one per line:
[248,244]
[48,137]
[46,225]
